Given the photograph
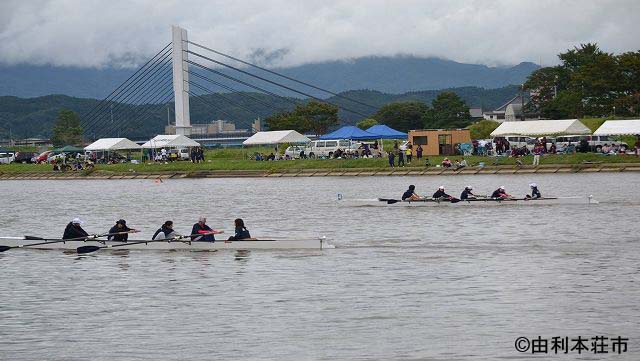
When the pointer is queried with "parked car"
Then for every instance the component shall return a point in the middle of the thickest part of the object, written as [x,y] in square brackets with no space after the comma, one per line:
[294,151]
[517,141]
[42,157]
[25,157]
[179,154]
[7,157]
[56,158]
[595,142]
[326,148]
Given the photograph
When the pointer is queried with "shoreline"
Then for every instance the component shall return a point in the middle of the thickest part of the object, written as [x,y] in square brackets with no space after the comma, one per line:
[345,172]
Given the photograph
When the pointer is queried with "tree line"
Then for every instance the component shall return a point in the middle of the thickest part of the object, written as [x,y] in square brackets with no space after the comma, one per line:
[587,82]
[448,110]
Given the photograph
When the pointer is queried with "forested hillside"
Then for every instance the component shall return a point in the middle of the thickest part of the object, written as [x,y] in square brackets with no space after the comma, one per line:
[33,117]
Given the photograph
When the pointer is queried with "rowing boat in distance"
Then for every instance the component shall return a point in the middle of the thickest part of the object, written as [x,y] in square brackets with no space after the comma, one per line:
[430,202]
[177,245]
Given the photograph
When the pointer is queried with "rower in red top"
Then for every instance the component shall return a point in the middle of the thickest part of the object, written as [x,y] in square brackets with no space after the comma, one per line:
[202,228]
[500,193]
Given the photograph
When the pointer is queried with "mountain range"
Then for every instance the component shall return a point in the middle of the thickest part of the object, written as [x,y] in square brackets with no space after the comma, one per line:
[34,117]
[392,75]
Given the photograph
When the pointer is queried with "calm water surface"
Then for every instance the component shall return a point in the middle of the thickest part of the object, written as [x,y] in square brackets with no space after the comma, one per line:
[442,283]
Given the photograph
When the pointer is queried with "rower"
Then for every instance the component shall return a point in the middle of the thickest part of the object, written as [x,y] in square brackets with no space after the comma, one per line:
[410,194]
[165,231]
[74,230]
[120,227]
[535,193]
[241,231]
[202,228]
[441,194]
[467,193]
[500,193]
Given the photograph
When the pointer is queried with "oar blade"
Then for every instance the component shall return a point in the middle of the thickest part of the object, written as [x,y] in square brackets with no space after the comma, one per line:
[87,249]
[5,248]
[33,238]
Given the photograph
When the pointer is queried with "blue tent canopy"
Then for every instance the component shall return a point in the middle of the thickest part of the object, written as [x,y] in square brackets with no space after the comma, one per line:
[384,132]
[349,132]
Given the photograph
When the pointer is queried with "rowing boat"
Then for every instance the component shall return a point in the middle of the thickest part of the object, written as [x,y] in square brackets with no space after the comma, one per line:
[170,245]
[430,202]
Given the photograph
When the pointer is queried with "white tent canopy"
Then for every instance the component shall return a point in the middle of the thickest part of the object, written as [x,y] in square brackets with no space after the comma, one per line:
[111,144]
[170,141]
[276,137]
[619,127]
[541,127]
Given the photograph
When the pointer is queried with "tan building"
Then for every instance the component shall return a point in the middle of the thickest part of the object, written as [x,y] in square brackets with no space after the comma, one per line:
[438,141]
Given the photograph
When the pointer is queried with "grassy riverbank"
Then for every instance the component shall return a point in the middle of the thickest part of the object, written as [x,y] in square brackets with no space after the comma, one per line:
[238,159]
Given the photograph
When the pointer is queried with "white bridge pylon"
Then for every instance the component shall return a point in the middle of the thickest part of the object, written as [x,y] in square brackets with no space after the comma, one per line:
[181,80]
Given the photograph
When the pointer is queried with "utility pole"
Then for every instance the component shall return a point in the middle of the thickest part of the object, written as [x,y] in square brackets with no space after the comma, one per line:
[522,102]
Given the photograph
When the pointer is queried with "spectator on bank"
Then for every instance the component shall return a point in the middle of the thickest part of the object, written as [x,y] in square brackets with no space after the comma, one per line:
[537,152]
[552,149]
[584,145]
[409,155]
[482,144]
[392,159]
[637,145]
[461,163]
[419,152]
[400,158]
[446,163]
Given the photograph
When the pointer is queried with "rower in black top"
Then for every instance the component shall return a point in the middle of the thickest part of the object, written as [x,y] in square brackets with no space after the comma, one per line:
[120,226]
[500,193]
[241,232]
[535,193]
[467,194]
[441,194]
[74,230]
[410,194]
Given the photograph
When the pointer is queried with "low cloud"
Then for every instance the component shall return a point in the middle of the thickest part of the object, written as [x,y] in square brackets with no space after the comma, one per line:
[119,33]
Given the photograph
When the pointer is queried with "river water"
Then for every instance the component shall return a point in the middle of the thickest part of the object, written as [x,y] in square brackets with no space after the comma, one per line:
[441,283]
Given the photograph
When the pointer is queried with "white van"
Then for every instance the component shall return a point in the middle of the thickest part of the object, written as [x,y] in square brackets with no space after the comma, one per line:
[595,142]
[326,148]
[517,141]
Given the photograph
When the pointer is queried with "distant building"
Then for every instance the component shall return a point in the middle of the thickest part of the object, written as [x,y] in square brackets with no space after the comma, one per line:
[218,128]
[476,113]
[499,114]
[438,141]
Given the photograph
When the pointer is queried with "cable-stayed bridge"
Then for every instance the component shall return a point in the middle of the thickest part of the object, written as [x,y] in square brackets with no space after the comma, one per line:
[162,89]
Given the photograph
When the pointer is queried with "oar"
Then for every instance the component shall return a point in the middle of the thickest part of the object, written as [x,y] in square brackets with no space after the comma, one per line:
[89,249]
[50,241]
[389,201]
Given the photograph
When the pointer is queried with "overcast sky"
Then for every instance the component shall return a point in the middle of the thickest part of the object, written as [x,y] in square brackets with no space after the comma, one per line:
[94,33]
